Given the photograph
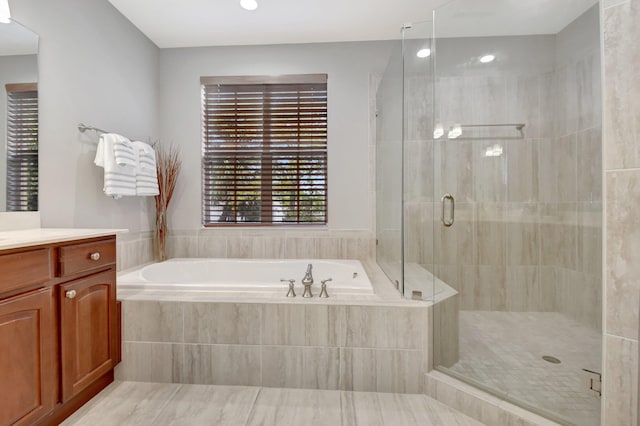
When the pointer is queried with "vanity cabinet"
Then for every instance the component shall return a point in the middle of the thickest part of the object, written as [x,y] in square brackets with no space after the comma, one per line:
[27,357]
[87,346]
[58,328]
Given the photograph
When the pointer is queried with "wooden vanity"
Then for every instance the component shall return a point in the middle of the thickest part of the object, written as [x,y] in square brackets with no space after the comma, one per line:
[59,327]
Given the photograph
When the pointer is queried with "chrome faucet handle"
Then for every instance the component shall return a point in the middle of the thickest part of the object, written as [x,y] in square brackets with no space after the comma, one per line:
[291,292]
[323,291]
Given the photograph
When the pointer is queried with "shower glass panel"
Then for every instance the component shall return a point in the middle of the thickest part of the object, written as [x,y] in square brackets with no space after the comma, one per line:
[517,146]
[389,169]
[404,164]
[417,152]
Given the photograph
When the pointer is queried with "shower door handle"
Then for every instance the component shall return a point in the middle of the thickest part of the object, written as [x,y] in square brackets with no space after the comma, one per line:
[443,200]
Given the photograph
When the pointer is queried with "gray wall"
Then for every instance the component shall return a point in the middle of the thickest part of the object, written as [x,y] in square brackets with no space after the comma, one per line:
[348,66]
[13,69]
[96,68]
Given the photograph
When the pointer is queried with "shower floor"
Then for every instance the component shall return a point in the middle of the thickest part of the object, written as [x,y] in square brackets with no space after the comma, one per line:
[504,350]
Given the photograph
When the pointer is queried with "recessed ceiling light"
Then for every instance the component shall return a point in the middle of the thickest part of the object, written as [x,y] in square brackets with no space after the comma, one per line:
[487,58]
[249,4]
[423,53]
[5,14]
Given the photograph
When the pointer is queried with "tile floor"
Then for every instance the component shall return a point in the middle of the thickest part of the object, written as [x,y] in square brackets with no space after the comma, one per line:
[137,403]
[503,350]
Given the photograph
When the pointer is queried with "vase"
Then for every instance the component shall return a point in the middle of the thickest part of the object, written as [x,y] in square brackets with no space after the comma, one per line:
[161,235]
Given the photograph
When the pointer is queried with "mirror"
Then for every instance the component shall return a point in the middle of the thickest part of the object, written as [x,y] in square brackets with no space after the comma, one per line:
[18,118]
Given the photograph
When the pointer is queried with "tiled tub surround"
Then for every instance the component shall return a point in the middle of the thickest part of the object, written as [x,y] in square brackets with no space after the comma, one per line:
[333,343]
[308,243]
[294,345]
[135,249]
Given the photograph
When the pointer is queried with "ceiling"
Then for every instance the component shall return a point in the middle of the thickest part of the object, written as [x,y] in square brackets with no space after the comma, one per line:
[473,18]
[17,40]
[173,23]
[186,23]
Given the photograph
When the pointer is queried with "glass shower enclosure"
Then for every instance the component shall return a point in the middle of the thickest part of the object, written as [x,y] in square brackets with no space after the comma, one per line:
[489,184]
[404,157]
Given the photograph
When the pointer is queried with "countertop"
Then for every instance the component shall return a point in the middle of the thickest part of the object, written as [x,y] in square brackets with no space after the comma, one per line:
[38,236]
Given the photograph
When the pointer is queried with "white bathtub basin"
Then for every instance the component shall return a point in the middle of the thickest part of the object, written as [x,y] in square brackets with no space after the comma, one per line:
[247,275]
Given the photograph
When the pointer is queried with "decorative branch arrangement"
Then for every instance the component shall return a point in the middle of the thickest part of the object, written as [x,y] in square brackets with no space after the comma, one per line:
[168,165]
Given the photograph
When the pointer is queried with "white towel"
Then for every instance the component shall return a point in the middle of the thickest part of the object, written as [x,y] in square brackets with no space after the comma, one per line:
[146,173]
[124,152]
[119,179]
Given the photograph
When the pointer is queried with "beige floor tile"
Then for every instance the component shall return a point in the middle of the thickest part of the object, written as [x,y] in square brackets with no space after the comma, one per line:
[126,403]
[159,404]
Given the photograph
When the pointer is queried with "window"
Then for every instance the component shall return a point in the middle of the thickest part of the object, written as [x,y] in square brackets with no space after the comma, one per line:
[22,147]
[264,150]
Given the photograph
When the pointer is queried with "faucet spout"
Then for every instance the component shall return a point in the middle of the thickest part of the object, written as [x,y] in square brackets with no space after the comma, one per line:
[307,281]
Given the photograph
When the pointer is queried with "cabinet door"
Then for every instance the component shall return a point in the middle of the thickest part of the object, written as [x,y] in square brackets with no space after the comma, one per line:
[27,362]
[87,330]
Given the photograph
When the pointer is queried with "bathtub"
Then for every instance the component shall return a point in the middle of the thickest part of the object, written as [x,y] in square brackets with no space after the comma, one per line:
[255,276]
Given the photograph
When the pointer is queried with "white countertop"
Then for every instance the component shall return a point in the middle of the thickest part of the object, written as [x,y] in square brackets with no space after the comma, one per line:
[37,236]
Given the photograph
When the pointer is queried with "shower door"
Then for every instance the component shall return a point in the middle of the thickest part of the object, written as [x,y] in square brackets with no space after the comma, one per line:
[517,205]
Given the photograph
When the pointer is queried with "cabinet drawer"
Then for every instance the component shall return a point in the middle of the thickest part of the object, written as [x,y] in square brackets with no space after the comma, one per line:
[85,257]
[24,269]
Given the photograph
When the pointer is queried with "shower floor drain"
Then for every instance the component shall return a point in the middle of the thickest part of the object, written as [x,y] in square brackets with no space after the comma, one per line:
[551,359]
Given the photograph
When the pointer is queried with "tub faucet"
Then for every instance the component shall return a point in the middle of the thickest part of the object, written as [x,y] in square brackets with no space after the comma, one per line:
[307,281]
[292,282]
[323,292]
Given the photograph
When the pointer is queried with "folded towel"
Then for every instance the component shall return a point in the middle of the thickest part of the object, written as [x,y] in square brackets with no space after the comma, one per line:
[124,152]
[119,179]
[146,173]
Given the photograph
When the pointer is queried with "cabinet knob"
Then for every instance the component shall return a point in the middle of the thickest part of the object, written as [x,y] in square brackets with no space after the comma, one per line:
[95,256]
[71,294]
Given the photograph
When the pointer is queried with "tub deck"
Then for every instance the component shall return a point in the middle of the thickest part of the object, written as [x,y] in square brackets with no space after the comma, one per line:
[384,293]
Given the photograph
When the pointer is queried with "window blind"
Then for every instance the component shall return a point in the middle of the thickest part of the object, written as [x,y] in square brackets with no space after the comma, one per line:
[22,147]
[265,150]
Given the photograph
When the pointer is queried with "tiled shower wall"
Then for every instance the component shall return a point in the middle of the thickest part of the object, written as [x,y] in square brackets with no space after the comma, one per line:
[528,223]
[578,135]
[621,57]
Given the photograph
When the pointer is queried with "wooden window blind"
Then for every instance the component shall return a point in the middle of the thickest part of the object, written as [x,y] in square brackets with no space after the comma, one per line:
[22,147]
[264,150]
